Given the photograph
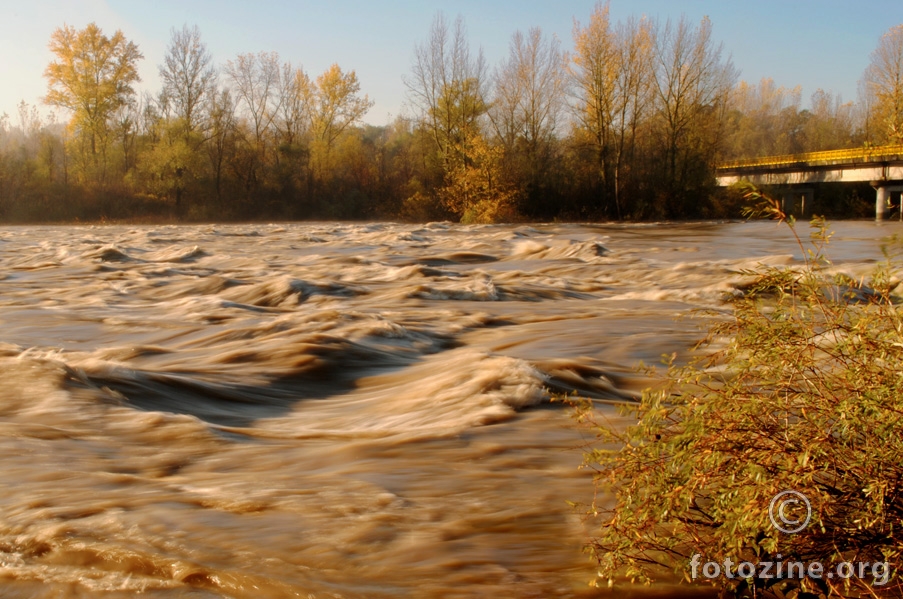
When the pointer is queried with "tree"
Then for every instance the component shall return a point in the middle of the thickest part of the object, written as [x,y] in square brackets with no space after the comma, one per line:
[529,89]
[527,105]
[461,104]
[593,73]
[172,161]
[633,87]
[612,72]
[474,190]
[762,119]
[256,79]
[691,87]
[92,76]
[866,121]
[830,123]
[221,108]
[884,81]
[336,106]
[188,76]
[294,116]
[189,79]
[293,125]
[447,86]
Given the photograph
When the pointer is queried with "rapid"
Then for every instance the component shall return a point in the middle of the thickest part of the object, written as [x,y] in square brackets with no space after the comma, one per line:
[335,410]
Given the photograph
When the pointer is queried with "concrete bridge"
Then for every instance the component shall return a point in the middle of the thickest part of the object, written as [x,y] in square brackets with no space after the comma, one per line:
[881,167]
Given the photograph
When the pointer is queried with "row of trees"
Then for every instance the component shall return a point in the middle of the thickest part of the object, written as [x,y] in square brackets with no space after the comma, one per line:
[628,124]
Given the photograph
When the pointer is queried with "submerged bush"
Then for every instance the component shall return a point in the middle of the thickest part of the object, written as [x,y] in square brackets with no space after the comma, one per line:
[800,390]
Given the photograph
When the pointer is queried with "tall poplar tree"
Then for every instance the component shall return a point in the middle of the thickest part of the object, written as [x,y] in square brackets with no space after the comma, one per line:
[884,82]
[92,76]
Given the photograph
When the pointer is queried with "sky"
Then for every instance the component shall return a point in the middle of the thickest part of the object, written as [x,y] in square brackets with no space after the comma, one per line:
[822,44]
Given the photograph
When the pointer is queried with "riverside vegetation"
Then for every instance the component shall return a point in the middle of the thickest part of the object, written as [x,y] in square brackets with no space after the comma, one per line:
[800,390]
[629,124]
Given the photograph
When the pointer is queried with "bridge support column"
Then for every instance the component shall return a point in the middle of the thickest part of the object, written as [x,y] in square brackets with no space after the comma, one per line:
[797,201]
[881,202]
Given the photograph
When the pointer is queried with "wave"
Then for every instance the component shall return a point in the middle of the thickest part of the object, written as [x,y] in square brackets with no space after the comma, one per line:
[586,251]
[285,291]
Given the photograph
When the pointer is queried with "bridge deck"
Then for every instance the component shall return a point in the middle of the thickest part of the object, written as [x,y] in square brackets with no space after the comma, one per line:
[849,156]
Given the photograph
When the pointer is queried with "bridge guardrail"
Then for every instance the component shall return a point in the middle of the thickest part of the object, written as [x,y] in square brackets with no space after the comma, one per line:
[864,154]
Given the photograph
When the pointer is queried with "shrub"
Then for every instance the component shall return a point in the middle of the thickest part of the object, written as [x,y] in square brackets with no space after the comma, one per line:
[800,389]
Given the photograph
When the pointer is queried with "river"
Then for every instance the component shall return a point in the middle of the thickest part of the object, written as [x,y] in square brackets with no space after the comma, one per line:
[334,410]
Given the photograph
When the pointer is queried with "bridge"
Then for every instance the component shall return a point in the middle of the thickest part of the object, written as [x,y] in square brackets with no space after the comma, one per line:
[880,166]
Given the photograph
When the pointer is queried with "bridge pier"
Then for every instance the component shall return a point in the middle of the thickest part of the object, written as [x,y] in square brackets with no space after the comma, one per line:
[881,208]
[798,201]
[884,196]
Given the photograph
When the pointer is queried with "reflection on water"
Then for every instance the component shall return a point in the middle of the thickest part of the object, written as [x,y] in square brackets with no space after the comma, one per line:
[325,410]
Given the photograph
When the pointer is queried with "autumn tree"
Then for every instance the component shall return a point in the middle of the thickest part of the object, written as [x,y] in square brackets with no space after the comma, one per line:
[763,120]
[125,132]
[884,83]
[256,81]
[335,105]
[829,123]
[447,87]
[32,166]
[188,76]
[593,71]
[92,76]
[526,110]
[612,73]
[633,87]
[294,116]
[221,111]
[474,189]
[173,158]
[292,132]
[529,91]
[691,88]
[172,161]
[866,121]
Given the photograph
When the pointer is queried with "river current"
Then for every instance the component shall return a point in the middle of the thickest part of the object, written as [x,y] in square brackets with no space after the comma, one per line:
[335,410]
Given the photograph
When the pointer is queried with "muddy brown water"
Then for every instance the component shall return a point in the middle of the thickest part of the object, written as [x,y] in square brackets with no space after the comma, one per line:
[333,410]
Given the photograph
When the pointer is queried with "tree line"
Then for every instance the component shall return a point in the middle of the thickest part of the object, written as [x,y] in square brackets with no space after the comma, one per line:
[627,124]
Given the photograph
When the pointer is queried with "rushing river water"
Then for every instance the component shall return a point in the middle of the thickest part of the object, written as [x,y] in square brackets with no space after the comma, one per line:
[332,410]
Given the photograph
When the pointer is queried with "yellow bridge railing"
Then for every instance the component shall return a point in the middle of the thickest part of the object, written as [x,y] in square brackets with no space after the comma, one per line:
[856,154]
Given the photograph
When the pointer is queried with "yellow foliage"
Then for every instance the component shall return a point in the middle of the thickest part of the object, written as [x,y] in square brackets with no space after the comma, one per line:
[92,76]
[884,79]
[474,190]
[336,106]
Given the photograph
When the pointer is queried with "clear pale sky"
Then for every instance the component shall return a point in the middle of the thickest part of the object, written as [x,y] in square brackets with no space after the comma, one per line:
[816,44]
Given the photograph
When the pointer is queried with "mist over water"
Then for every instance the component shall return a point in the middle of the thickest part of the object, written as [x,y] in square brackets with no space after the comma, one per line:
[333,410]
